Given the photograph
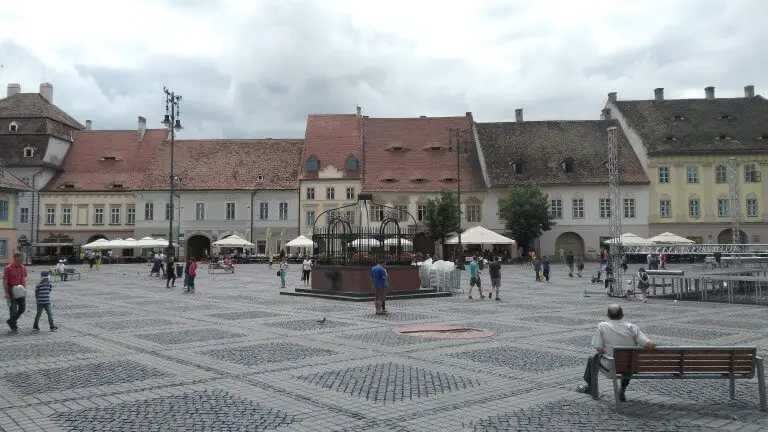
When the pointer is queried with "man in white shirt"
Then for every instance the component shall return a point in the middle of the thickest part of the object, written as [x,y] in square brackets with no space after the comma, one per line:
[615,332]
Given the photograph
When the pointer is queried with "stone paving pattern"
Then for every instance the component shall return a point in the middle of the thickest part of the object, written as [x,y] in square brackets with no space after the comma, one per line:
[132,355]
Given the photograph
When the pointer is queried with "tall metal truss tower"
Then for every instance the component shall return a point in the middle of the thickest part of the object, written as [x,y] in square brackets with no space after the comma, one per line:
[734,204]
[616,206]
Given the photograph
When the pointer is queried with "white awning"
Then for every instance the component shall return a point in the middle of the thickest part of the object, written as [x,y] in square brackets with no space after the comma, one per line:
[669,238]
[480,235]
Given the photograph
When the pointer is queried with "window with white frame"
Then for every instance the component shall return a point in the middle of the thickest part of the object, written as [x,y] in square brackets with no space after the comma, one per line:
[350,193]
[556,209]
[663,175]
[310,218]
[665,208]
[283,210]
[752,207]
[130,214]
[629,208]
[577,208]
[98,215]
[310,193]
[474,213]
[24,215]
[722,207]
[4,210]
[693,174]
[330,193]
[377,213]
[751,173]
[149,211]
[50,215]
[605,208]
[199,211]
[263,211]
[694,208]
[721,174]
[421,213]
[66,216]
[114,215]
[229,211]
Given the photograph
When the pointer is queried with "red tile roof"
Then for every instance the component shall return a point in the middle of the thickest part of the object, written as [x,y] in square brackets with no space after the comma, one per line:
[86,169]
[227,164]
[10,181]
[332,138]
[411,154]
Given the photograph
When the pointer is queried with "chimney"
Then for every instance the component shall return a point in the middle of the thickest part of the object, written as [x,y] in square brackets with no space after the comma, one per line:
[359,111]
[709,92]
[749,91]
[613,96]
[13,89]
[605,114]
[519,115]
[46,91]
[468,114]
[142,127]
[88,125]
[659,94]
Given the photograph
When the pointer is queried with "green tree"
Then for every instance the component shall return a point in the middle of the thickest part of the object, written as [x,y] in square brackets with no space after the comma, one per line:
[525,210]
[443,218]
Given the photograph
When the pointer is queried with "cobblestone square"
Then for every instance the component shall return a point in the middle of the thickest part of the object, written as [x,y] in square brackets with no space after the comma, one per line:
[236,355]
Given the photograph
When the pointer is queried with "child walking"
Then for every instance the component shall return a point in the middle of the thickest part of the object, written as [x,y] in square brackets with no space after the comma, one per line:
[43,298]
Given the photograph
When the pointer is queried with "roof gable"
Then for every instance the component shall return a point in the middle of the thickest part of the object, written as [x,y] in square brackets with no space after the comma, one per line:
[554,152]
[33,105]
[703,126]
[331,138]
[10,181]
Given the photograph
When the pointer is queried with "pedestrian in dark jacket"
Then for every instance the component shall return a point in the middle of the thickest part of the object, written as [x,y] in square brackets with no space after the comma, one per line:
[170,273]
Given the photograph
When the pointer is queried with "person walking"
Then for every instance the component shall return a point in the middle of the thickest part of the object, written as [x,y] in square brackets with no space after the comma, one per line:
[474,277]
[545,265]
[282,270]
[14,284]
[43,299]
[170,273]
[570,260]
[494,271]
[191,273]
[379,278]
[306,270]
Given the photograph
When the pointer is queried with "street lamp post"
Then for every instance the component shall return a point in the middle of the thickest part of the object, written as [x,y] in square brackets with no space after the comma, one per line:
[460,136]
[172,122]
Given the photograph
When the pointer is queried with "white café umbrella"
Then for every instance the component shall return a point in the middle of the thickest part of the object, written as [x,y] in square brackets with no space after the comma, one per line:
[480,235]
[629,239]
[393,241]
[146,242]
[98,244]
[669,238]
[233,241]
[161,242]
[363,243]
[128,243]
[301,241]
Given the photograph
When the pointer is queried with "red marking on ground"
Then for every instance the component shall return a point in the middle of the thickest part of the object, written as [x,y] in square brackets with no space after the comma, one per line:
[444,332]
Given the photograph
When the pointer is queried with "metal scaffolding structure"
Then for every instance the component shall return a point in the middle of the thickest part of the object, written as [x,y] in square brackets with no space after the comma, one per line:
[616,205]
[732,249]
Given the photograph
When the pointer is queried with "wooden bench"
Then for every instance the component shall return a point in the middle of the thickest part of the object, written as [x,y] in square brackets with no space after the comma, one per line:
[214,267]
[729,363]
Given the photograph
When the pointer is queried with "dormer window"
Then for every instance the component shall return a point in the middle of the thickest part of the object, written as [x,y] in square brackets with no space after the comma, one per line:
[14,126]
[448,179]
[116,185]
[517,167]
[678,118]
[418,179]
[723,137]
[313,164]
[109,158]
[396,148]
[351,163]
[29,152]
[567,165]
[434,147]
[670,138]
[725,117]
[69,186]
[388,180]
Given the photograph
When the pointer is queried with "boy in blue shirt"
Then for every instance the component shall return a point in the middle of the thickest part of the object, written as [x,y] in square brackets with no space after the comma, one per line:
[474,277]
[379,281]
[43,298]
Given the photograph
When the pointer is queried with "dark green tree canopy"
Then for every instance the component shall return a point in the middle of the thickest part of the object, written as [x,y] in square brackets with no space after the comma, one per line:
[443,217]
[525,210]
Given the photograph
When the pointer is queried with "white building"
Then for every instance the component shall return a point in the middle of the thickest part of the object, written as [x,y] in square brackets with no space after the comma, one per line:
[567,159]
[224,187]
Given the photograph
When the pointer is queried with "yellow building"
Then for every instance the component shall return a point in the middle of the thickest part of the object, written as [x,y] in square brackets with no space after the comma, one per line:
[685,146]
[10,187]
[331,167]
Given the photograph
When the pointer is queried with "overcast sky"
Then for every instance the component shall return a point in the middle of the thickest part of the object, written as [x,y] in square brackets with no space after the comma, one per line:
[250,68]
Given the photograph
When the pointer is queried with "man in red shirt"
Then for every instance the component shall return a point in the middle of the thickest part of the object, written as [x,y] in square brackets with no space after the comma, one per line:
[15,274]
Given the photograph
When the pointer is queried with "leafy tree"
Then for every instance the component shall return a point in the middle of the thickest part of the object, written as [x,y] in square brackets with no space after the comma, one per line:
[525,210]
[443,218]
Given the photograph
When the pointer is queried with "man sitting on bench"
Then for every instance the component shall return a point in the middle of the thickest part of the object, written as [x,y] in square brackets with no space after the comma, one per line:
[615,332]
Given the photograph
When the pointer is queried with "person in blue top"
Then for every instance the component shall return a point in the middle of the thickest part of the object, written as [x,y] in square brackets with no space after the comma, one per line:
[474,277]
[43,298]
[379,280]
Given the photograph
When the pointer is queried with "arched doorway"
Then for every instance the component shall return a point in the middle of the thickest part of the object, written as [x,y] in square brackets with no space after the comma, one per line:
[197,246]
[422,243]
[95,237]
[725,237]
[570,242]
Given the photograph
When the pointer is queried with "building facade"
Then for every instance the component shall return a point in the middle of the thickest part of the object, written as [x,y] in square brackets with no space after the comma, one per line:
[92,197]
[35,138]
[567,159]
[408,161]
[685,146]
[10,188]
[223,187]
[331,166]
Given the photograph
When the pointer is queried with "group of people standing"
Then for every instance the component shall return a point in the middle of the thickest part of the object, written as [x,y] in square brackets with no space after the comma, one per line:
[167,265]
